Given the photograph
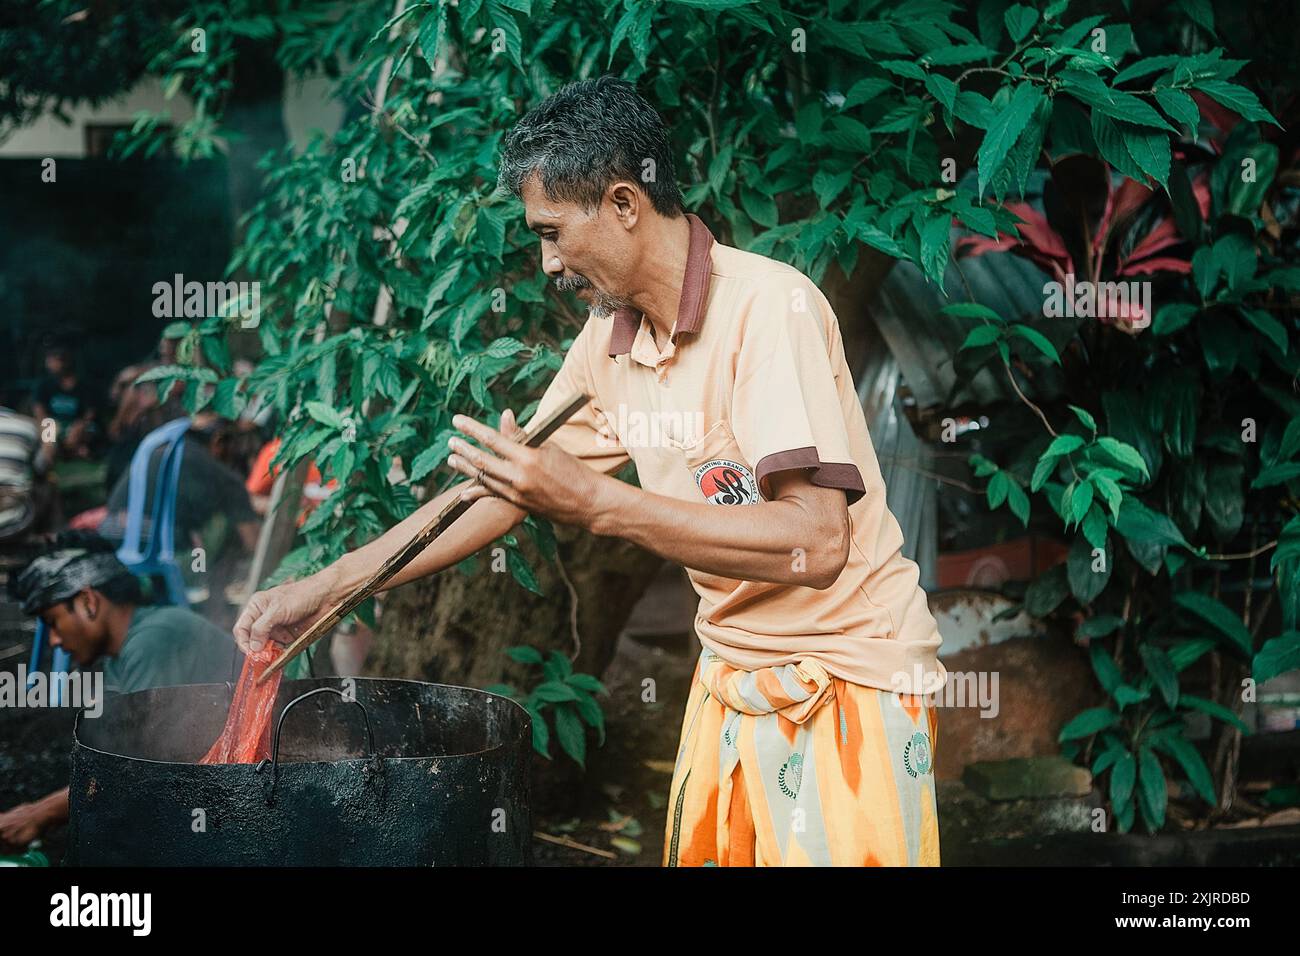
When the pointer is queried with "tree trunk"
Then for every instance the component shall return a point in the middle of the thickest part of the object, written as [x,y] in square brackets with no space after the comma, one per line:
[849,296]
[454,627]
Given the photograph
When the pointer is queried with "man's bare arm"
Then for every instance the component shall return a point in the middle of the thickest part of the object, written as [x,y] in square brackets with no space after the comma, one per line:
[800,537]
[281,613]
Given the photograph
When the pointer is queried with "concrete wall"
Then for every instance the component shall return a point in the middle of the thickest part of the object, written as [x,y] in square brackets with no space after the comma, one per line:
[306,108]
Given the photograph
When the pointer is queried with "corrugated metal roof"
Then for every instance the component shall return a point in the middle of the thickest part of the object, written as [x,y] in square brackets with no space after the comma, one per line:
[906,310]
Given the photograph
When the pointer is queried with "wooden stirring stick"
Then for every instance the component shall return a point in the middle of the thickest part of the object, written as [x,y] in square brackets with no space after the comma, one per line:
[536,434]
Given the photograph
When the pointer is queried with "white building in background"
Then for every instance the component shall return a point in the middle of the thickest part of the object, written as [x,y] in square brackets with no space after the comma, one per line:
[307,107]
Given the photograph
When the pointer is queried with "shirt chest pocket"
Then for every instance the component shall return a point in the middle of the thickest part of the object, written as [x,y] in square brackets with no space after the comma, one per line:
[717,468]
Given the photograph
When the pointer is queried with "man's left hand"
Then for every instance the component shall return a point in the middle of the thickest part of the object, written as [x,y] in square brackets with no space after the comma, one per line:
[20,826]
[544,481]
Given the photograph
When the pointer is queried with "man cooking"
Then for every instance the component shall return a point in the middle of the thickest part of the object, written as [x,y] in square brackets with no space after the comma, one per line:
[805,739]
[94,609]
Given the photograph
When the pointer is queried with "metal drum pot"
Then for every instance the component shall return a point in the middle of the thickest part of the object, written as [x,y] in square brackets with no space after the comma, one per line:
[407,774]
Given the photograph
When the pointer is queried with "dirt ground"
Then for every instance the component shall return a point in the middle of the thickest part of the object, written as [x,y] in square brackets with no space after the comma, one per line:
[623,804]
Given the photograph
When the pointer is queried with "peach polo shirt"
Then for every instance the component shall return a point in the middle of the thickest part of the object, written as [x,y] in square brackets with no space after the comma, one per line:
[753,381]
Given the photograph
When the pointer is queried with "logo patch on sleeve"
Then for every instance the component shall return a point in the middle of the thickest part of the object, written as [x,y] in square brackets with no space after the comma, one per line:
[726,482]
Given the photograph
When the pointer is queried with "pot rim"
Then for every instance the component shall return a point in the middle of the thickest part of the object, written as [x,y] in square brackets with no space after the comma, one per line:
[79,745]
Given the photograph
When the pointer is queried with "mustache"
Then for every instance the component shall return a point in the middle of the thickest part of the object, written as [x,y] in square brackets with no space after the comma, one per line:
[572,283]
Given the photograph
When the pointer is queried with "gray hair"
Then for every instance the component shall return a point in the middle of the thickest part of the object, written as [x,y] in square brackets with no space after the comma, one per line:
[586,136]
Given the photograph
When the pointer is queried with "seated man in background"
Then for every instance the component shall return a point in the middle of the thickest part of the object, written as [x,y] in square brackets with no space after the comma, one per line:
[95,610]
[213,513]
[62,397]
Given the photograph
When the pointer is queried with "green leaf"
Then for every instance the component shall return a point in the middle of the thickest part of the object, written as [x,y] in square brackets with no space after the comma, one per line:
[432,457]
[828,186]
[1005,130]
[1116,104]
[1189,758]
[1089,722]
[1018,502]
[1047,591]
[1162,671]
[1138,522]
[1100,626]
[1277,656]
[522,572]
[1108,674]
[1172,317]
[1150,150]
[1238,99]
[971,310]
[525,655]
[864,91]
[324,414]
[1019,20]
[1122,778]
[554,692]
[1080,499]
[1179,107]
[1218,616]
[1152,790]
[1225,498]
[1215,710]
[1188,651]
[541,733]
[572,735]
[1113,146]
[997,490]
[758,206]
[1088,421]
[1085,583]
[1145,67]
[848,134]
[433,30]
[934,246]
[1037,340]
[877,238]
[981,335]
[504,21]
[1267,326]
[959,54]
[942,89]
[1124,454]
[975,109]
[587,682]
[1063,445]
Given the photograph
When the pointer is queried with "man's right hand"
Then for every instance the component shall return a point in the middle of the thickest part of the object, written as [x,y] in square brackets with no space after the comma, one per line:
[281,613]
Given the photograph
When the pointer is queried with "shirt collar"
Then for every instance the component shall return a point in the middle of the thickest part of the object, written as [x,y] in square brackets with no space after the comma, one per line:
[695,289]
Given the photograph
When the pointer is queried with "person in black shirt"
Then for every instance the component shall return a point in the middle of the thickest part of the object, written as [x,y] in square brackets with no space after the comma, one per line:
[62,398]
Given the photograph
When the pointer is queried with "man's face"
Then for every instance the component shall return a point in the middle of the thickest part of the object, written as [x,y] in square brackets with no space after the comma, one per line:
[79,628]
[583,251]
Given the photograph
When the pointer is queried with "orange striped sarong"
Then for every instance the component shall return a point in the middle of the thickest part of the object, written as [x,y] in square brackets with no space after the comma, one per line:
[787,766]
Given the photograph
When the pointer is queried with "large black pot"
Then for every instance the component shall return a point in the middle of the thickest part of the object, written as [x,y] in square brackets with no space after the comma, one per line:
[407,774]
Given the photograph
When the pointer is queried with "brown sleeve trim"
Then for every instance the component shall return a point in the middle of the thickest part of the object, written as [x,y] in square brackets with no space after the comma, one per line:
[825,474]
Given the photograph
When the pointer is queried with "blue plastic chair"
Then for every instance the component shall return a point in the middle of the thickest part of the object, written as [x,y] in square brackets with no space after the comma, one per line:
[157,555]
[154,557]
[60,661]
